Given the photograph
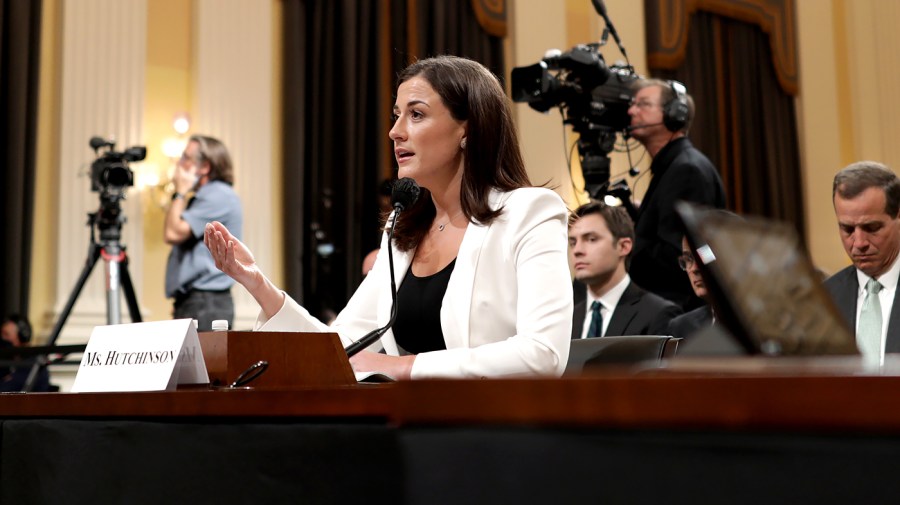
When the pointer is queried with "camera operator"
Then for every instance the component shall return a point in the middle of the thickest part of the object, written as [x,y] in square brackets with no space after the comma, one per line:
[661,114]
[16,332]
[200,290]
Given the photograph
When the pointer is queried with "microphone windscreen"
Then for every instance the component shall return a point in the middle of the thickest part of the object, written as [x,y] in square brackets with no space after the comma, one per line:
[405,193]
[98,142]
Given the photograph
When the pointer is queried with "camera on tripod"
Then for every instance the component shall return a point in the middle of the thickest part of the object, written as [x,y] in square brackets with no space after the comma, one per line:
[594,99]
[580,80]
[110,174]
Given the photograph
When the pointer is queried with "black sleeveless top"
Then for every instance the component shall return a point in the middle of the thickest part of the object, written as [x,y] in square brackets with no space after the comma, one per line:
[418,325]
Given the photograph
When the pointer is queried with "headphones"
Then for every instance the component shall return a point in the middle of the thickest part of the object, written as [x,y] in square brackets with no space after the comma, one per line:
[23,327]
[675,111]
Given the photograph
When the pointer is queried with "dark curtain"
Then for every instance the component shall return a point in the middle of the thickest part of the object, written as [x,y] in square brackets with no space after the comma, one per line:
[451,27]
[341,60]
[330,145]
[745,121]
[20,35]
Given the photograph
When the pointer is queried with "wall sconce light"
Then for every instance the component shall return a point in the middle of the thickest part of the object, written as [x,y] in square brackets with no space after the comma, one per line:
[182,123]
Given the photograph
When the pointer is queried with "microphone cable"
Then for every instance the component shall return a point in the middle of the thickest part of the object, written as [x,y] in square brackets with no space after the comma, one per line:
[405,193]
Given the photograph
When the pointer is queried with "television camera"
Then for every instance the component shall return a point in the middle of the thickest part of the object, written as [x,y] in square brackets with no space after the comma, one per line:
[111,176]
[593,98]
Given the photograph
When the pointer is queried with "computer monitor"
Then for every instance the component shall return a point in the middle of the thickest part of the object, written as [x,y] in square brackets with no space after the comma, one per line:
[763,287]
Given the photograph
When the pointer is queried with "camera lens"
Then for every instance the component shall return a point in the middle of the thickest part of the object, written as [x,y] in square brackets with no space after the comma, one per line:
[117,176]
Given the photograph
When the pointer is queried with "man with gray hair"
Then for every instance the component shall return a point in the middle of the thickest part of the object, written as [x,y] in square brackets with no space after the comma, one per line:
[866,197]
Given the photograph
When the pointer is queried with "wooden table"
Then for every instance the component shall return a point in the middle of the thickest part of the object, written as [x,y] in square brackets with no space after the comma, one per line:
[678,436]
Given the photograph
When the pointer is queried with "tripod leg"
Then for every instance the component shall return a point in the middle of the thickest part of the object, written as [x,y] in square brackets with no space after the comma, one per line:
[93,255]
[33,373]
[128,288]
[113,283]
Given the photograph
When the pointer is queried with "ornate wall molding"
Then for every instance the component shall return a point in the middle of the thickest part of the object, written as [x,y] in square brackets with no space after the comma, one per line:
[491,15]
[668,25]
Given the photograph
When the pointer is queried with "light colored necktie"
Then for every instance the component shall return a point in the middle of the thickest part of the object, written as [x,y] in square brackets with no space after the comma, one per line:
[596,327]
[868,333]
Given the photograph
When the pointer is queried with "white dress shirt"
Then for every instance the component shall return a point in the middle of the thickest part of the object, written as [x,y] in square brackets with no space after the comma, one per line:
[886,297]
[608,304]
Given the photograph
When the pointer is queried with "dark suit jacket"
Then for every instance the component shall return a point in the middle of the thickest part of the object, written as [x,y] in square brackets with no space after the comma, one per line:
[637,313]
[844,289]
[15,379]
[680,172]
[690,323]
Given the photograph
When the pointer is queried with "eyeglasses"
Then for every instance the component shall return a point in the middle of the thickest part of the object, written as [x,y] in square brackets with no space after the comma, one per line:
[686,261]
[642,104]
[186,157]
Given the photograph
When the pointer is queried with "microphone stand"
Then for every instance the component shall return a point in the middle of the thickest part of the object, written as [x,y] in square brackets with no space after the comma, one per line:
[370,338]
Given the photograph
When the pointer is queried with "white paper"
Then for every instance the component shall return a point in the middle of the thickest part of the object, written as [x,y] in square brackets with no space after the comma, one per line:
[152,356]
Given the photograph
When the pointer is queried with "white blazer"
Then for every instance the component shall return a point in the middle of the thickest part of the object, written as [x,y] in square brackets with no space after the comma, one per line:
[507,310]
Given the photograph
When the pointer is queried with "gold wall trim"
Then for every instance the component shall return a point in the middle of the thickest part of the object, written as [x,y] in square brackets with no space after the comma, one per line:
[491,15]
[668,24]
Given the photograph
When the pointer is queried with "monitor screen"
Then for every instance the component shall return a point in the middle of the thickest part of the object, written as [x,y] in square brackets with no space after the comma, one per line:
[762,285]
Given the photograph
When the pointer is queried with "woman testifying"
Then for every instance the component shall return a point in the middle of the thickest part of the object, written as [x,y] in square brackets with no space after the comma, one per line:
[480,257]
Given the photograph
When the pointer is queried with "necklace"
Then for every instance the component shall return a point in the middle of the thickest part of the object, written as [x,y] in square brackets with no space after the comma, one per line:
[443,225]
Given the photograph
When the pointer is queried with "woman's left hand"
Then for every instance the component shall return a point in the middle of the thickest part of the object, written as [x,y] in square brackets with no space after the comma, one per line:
[398,367]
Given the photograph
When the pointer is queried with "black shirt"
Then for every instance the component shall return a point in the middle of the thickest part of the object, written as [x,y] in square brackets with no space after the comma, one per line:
[418,325]
[680,172]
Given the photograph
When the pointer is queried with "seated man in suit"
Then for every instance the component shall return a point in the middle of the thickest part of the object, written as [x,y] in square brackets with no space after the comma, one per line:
[695,320]
[866,197]
[600,241]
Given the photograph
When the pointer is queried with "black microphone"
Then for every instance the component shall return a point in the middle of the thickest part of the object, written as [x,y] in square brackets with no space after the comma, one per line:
[629,129]
[98,142]
[404,194]
[600,7]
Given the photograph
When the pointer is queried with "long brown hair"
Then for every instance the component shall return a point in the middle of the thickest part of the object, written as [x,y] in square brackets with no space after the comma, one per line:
[213,150]
[492,156]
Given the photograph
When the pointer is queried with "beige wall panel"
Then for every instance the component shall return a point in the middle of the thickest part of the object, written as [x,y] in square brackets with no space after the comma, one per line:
[102,94]
[819,128]
[536,27]
[233,64]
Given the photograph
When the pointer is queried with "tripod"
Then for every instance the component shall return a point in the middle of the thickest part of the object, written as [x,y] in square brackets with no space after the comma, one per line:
[109,221]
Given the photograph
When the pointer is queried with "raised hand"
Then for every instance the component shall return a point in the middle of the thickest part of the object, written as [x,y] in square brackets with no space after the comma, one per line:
[233,258]
[231,255]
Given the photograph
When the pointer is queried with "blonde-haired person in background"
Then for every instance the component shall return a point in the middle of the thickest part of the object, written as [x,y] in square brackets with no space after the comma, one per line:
[200,290]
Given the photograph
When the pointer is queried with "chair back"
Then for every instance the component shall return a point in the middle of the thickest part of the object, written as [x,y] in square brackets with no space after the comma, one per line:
[590,353]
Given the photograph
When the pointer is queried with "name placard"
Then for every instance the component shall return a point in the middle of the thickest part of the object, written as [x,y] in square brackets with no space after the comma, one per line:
[154,356]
